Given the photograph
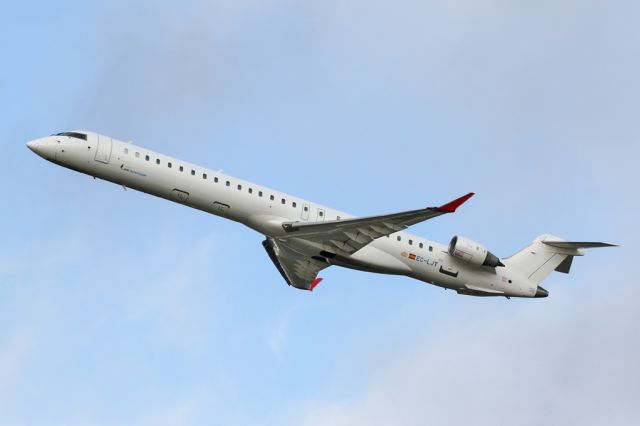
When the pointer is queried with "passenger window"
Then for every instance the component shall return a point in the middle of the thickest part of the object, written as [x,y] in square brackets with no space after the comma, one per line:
[321,213]
[250,190]
[283,201]
[430,248]
[410,242]
[294,204]
[146,157]
[421,245]
[228,183]
[215,179]
[239,187]
[399,238]
[204,176]
[157,161]
[169,165]
[259,193]
[271,197]
[193,172]
[306,209]
[338,218]
[137,155]
[126,150]
[181,168]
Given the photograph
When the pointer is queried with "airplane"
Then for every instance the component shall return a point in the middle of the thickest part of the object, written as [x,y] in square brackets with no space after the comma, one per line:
[303,238]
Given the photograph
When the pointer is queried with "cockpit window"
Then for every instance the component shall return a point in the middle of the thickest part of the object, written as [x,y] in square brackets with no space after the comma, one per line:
[73,135]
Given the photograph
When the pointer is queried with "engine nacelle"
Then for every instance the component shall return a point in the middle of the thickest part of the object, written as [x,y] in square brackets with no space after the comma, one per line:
[472,252]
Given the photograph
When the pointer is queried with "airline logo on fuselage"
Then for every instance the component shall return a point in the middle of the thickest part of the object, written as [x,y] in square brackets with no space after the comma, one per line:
[133,172]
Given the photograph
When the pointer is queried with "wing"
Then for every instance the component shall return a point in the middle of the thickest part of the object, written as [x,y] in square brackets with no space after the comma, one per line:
[345,237]
[298,269]
[295,254]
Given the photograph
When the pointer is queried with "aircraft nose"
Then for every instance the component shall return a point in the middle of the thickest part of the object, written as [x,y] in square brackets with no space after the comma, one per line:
[42,147]
[33,145]
[541,292]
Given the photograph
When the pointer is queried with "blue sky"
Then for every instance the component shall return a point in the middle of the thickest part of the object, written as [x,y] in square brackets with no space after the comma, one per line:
[118,308]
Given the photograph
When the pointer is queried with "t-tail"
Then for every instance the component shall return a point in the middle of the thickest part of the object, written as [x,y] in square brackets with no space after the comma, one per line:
[546,254]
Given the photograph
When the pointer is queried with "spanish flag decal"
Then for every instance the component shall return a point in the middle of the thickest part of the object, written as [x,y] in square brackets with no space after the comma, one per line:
[412,256]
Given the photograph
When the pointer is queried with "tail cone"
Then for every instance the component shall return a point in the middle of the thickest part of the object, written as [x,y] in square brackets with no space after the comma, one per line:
[541,292]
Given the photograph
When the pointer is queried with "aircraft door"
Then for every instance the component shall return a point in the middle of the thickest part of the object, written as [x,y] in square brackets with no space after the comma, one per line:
[305,211]
[103,153]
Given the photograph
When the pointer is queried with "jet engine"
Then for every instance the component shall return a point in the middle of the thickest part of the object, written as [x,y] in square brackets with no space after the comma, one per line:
[472,252]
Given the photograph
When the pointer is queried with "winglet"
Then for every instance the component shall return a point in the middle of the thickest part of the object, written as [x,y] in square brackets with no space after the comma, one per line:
[315,283]
[453,205]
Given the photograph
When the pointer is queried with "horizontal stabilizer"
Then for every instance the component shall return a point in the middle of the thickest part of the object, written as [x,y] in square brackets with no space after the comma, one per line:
[565,266]
[574,245]
[546,254]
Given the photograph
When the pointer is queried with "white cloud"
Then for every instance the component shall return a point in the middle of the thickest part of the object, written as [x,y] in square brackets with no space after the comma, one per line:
[564,363]
[180,412]
[277,336]
[177,298]
[555,78]
[14,350]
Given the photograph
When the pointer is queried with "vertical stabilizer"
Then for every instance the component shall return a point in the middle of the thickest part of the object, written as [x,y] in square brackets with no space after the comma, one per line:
[538,260]
[546,254]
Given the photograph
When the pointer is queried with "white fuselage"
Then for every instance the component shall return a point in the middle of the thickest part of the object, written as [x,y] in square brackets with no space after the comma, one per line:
[264,210]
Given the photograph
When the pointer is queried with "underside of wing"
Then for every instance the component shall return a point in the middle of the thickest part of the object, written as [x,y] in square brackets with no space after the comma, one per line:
[298,269]
[345,237]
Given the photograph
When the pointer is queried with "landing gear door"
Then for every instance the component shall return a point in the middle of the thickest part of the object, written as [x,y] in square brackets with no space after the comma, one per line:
[103,153]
